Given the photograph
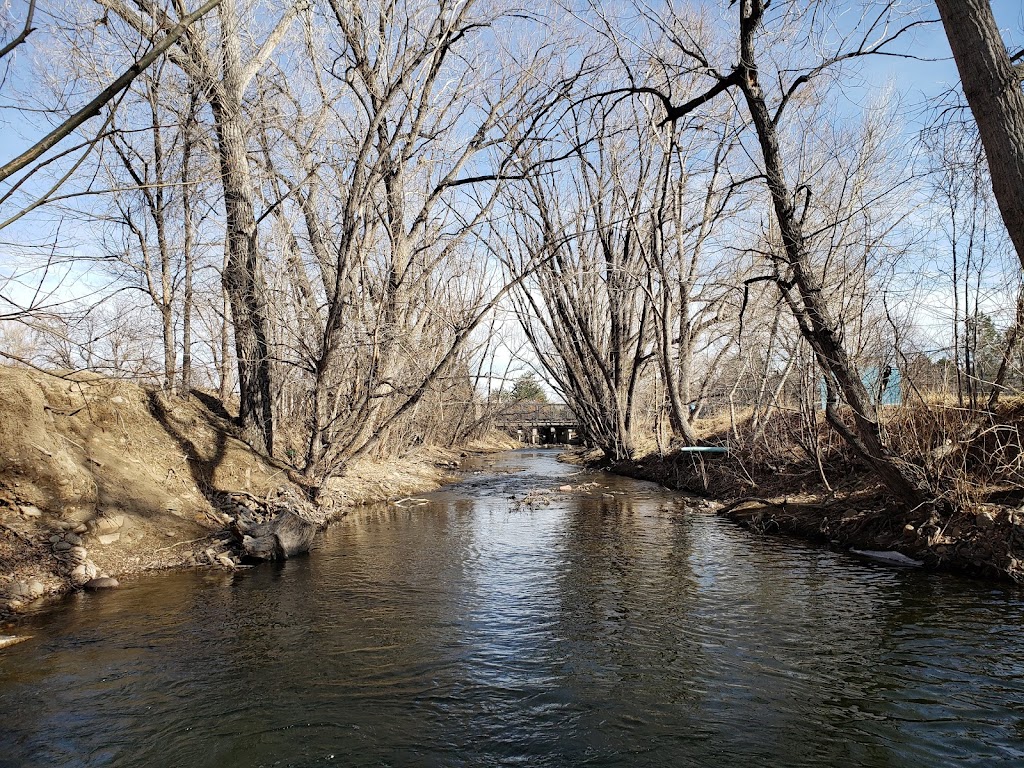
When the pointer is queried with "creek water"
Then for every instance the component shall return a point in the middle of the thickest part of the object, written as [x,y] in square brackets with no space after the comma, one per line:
[610,627]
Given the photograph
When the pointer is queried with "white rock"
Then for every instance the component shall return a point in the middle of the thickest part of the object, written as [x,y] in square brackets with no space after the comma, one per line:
[890,558]
[108,538]
[18,589]
[79,575]
[30,510]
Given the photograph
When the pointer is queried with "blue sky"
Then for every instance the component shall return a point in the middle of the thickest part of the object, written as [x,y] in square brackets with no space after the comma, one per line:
[920,80]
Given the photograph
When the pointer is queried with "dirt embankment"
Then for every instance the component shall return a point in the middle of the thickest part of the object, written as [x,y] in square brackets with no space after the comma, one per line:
[105,478]
[986,539]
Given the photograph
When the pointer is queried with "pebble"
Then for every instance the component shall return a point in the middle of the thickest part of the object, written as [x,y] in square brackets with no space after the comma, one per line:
[61,546]
[30,510]
[108,538]
[73,539]
[8,640]
[79,553]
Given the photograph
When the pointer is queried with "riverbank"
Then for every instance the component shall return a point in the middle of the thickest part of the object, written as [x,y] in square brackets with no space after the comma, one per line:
[103,478]
[984,540]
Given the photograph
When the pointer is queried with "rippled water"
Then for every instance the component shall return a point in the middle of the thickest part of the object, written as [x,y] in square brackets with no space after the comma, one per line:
[609,628]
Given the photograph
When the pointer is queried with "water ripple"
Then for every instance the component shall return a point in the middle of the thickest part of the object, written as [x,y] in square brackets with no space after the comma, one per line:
[473,631]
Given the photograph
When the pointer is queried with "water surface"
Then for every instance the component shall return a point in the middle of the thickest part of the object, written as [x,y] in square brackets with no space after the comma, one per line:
[610,627]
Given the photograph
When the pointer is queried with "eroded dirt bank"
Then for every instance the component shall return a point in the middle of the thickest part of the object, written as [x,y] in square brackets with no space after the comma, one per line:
[985,540]
[105,478]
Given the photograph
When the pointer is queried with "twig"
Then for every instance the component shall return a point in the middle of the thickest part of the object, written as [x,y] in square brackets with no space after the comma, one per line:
[19,534]
[179,543]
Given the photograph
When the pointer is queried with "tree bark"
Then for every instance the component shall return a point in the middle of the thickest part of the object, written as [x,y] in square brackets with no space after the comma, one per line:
[243,277]
[992,86]
[244,282]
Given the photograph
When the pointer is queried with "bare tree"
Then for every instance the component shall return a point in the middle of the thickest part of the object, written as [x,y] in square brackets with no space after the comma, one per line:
[585,309]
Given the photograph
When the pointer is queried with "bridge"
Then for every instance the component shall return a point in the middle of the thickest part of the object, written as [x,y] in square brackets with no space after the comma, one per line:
[539,423]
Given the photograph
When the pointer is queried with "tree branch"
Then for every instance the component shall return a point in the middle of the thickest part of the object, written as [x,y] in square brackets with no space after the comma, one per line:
[93,108]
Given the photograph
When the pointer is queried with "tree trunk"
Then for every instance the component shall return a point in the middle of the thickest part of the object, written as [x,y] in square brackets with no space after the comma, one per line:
[244,283]
[243,277]
[809,306]
[993,89]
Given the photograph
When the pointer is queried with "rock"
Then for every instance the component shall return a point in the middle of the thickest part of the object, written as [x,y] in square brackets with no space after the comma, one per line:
[18,589]
[889,558]
[7,641]
[225,560]
[30,510]
[106,524]
[27,590]
[284,536]
[565,488]
[73,539]
[102,582]
[984,520]
[117,400]
[61,546]
[81,528]
[108,538]
[80,575]
[79,554]
[55,538]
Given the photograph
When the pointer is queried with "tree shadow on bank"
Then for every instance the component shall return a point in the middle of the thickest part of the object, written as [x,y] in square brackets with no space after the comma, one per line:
[202,456]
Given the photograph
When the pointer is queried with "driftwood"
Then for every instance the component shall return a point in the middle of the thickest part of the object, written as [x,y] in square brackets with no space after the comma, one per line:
[283,536]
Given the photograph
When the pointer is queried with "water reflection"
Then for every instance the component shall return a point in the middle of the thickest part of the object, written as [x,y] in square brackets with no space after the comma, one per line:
[607,628]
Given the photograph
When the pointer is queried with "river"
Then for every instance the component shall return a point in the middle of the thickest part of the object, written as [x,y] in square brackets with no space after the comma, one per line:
[609,627]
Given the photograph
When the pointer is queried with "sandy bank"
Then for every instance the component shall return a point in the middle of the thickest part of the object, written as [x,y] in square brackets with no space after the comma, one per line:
[103,477]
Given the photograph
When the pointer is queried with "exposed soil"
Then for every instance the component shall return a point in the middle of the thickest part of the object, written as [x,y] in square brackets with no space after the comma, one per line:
[986,539]
[112,479]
